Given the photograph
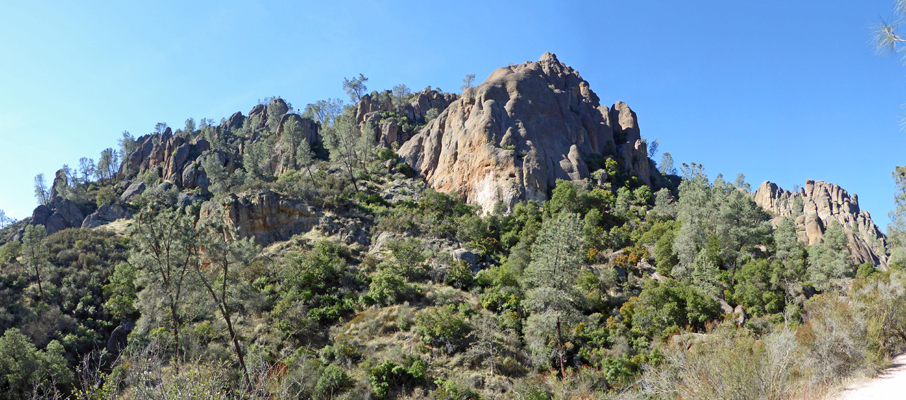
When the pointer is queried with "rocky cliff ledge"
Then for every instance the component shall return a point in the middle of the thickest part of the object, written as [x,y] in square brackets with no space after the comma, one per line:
[514,135]
[815,206]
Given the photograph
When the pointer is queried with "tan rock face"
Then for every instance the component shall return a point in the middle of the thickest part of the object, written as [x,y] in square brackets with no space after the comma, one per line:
[821,203]
[265,215]
[514,135]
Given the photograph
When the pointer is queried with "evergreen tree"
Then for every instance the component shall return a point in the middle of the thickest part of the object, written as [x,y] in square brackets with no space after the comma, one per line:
[324,111]
[665,167]
[896,229]
[219,272]
[35,252]
[41,191]
[550,280]
[829,261]
[128,144]
[348,146]
[355,88]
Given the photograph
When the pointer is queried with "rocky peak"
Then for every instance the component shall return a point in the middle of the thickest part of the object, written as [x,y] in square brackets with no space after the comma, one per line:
[511,137]
[818,203]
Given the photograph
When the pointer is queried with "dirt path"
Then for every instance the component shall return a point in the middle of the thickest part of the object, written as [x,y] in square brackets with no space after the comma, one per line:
[891,384]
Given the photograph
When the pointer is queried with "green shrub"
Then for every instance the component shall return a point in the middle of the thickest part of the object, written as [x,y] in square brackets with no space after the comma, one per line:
[405,169]
[333,380]
[386,288]
[389,376]
[10,251]
[105,195]
[443,327]
[459,275]
[447,389]
[385,154]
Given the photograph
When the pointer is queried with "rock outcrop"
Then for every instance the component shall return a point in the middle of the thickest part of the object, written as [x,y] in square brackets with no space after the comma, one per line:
[177,158]
[387,132]
[265,215]
[166,154]
[106,214]
[514,135]
[815,206]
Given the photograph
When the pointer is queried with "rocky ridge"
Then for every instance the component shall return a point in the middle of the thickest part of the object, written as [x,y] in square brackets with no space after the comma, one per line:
[511,137]
[815,206]
[370,107]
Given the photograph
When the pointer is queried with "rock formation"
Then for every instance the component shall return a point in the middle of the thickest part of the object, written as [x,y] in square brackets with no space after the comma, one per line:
[815,206]
[514,135]
[265,215]
[166,154]
[106,214]
[177,158]
[370,108]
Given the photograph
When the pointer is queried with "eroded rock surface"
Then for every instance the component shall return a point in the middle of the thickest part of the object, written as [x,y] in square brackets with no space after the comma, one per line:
[815,206]
[514,135]
[265,215]
[370,108]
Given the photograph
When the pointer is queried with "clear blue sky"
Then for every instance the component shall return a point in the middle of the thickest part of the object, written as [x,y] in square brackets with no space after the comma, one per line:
[777,90]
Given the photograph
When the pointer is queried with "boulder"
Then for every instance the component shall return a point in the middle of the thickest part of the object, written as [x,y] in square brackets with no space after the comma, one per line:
[513,136]
[66,215]
[136,188]
[119,338]
[184,200]
[258,115]
[106,214]
[234,122]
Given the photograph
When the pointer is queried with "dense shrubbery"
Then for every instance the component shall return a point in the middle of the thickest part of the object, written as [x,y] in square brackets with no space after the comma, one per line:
[610,288]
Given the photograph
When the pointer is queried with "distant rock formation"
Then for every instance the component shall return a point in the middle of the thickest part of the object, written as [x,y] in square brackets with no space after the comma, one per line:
[369,110]
[821,203]
[167,155]
[177,158]
[514,135]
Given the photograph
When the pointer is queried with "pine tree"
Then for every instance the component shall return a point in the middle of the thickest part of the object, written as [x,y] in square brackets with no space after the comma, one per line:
[35,251]
[550,280]
[829,261]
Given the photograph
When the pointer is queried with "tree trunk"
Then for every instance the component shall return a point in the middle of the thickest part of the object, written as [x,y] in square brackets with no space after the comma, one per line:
[560,345]
[245,373]
[38,276]
[175,335]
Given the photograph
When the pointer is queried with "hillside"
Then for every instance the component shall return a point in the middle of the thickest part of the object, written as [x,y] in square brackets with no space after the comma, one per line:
[511,241]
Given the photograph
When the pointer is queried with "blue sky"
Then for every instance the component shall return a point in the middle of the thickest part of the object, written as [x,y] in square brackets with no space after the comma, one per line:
[778,90]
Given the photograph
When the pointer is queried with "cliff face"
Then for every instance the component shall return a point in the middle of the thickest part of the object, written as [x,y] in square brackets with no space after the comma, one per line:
[821,203]
[514,135]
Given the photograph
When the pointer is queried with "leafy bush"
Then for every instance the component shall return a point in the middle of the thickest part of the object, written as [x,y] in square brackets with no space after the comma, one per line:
[387,288]
[10,251]
[443,327]
[388,376]
[669,305]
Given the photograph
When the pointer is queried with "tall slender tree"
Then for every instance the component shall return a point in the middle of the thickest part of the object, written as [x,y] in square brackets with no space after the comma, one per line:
[218,270]
[35,252]
[355,87]
[41,191]
[550,281]
[165,250]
